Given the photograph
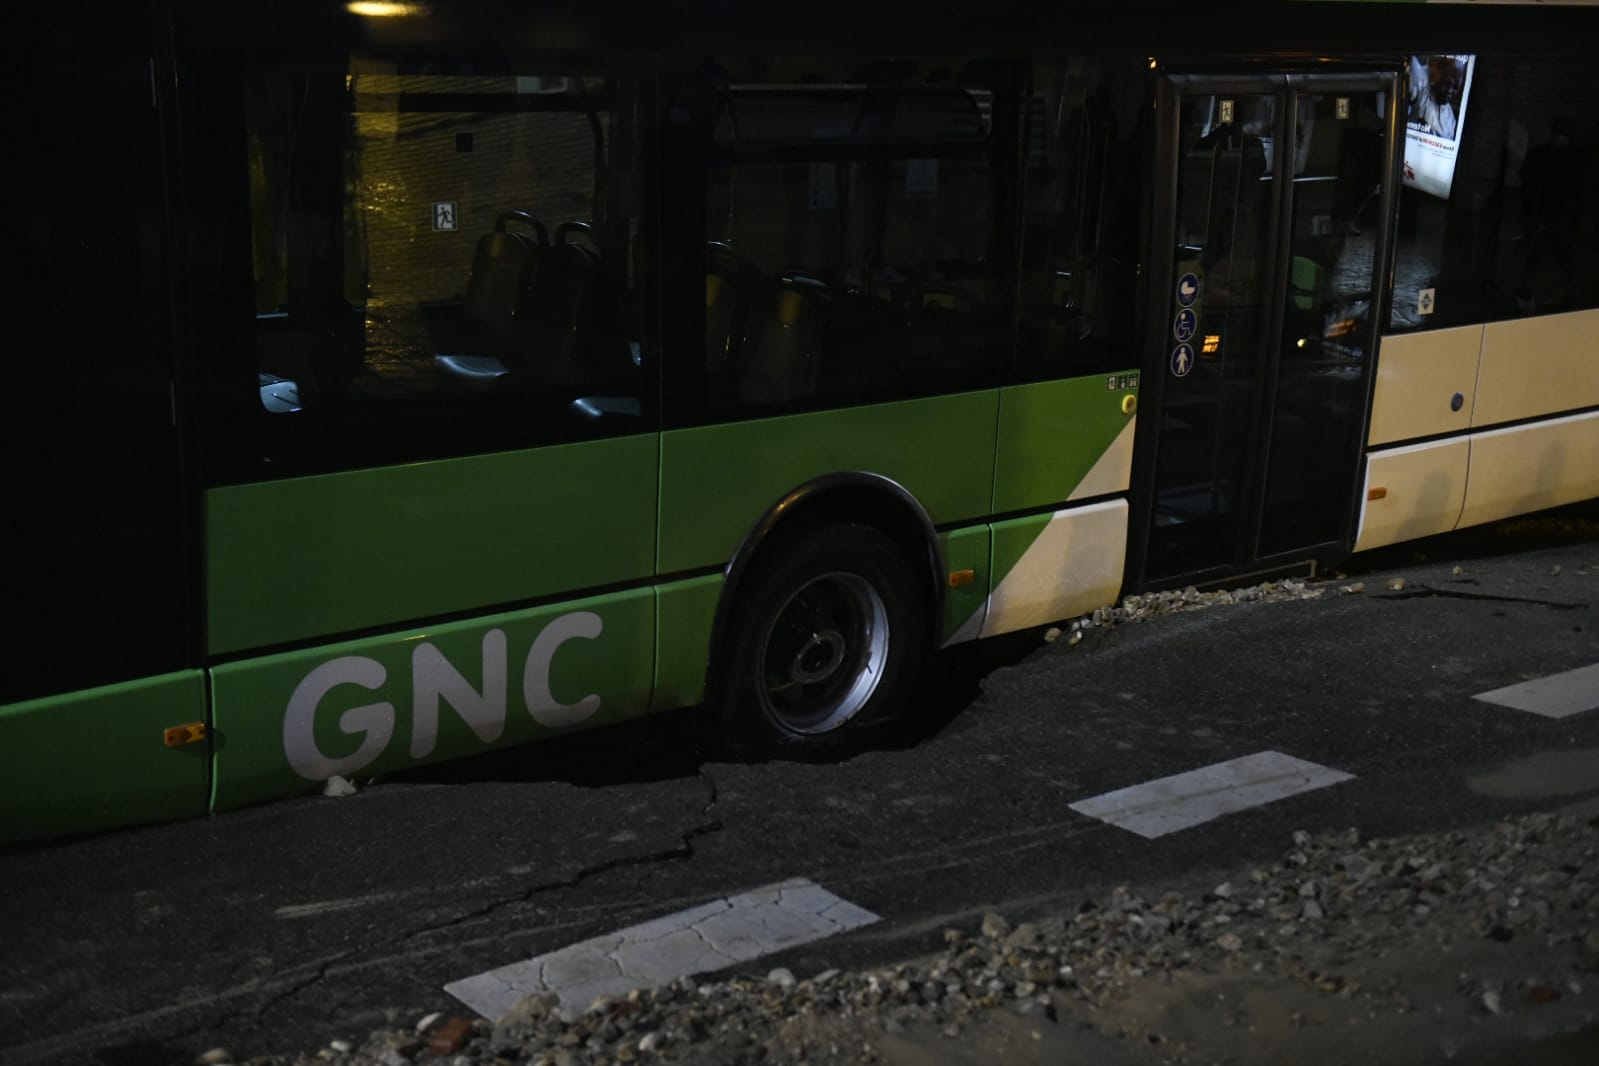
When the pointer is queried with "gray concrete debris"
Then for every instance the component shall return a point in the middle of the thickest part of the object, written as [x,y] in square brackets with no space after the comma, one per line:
[338,787]
[1322,918]
[995,927]
[1142,606]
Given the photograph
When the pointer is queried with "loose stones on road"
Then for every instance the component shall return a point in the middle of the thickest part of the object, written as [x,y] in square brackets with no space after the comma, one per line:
[1322,919]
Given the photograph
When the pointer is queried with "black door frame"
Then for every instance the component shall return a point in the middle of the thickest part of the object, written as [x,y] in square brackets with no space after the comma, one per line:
[1286,86]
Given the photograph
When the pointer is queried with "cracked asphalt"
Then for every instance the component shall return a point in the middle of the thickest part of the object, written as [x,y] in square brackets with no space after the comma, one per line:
[281,927]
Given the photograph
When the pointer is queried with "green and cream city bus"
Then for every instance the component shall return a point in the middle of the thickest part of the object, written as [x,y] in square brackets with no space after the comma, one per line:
[392,381]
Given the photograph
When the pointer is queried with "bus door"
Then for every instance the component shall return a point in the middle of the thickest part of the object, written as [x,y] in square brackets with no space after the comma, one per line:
[1270,234]
[102,703]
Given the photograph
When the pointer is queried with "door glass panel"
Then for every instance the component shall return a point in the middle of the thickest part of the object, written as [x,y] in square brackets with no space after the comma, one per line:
[92,524]
[1327,308]
[1220,310]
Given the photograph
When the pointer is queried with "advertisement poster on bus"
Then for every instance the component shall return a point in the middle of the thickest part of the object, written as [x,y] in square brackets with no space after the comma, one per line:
[1435,116]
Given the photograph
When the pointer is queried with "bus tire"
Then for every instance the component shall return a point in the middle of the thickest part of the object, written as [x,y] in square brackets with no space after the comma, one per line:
[826,639]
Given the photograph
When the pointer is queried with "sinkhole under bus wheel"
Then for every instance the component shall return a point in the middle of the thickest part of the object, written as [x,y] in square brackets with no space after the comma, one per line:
[826,641]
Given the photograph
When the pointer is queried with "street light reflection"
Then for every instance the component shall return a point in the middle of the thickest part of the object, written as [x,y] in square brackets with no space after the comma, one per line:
[382,9]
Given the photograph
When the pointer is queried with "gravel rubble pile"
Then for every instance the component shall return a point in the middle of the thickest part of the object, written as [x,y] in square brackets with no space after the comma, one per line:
[1141,607]
[1328,917]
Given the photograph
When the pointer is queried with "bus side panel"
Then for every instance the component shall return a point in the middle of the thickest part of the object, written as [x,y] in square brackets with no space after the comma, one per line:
[685,614]
[98,758]
[287,722]
[287,560]
[1528,468]
[717,481]
[1418,377]
[1414,491]
[965,606]
[1538,366]
[1065,440]
[1050,567]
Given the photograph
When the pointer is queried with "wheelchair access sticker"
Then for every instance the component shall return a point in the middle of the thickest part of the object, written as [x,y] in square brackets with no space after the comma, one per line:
[1183,326]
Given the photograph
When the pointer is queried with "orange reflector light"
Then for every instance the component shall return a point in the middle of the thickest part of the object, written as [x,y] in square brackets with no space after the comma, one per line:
[961,578]
[179,735]
[1378,493]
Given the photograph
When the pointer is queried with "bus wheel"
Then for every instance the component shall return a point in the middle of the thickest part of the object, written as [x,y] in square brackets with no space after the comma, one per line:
[828,638]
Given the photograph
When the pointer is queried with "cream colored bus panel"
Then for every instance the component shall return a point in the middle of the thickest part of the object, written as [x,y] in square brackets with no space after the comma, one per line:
[1412,492]
[1527,468]
[1418,377]
[1538,366]
[1074,564]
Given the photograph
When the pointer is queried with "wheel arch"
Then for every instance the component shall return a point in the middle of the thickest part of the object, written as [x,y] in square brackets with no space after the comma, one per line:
[856,496]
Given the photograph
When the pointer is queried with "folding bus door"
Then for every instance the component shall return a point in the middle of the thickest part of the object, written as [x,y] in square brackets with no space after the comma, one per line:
[1270,243]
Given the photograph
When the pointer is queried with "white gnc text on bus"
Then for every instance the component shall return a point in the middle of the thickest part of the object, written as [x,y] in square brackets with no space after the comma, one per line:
[433,680]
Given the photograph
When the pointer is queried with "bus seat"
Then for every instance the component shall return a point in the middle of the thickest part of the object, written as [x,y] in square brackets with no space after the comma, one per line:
[941,323]
[505,267]
[782,357]
[549,351]
[603,335]
[484,369]
[730,283]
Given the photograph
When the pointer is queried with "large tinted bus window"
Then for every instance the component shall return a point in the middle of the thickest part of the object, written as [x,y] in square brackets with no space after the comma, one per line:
[93,585]
[442,260]
[1083,166]
[1514,233]
[851,222]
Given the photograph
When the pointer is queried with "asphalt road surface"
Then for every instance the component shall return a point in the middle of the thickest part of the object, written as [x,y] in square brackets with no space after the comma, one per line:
[281,927]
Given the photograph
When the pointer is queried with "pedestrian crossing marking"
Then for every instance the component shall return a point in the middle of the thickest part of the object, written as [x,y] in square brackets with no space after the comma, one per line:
[1182,801]
[1555,696]
[709,937]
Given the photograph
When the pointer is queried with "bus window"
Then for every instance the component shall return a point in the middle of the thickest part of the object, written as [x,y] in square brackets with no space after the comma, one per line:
[850,217]
[441,262]
[1082,162]
[1513,233]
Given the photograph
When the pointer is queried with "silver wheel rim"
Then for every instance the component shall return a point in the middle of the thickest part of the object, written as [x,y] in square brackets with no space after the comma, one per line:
[821,657]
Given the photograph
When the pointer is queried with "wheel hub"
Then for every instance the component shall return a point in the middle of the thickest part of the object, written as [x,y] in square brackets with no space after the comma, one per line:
[819,658]
[822,653]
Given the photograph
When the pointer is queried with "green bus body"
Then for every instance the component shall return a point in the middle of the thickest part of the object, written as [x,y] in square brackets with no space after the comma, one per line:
[296,559]
[416,402]
[303,558]
[97,758]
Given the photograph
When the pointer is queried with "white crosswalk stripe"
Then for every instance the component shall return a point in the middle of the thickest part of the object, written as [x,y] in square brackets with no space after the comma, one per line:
[1182,801]
[710,937]
[1556,696]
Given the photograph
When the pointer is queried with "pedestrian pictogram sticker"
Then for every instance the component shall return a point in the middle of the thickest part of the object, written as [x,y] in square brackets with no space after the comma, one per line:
[1226,116]
[1182,360]
[444,216]
[1424,301]
[1188,289]
[1184,325]
[1341,107]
